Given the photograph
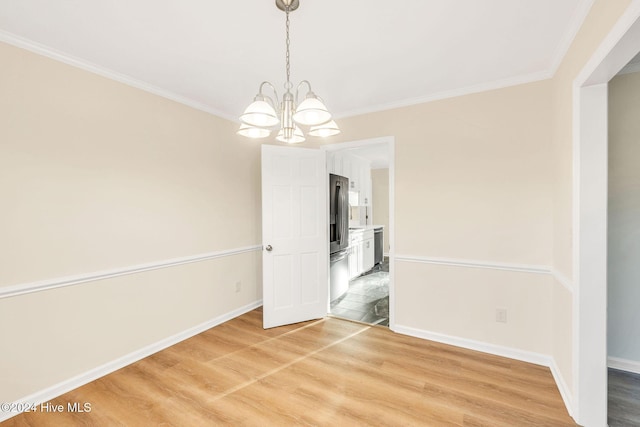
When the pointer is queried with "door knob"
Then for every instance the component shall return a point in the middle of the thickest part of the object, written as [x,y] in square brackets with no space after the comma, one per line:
[269,248]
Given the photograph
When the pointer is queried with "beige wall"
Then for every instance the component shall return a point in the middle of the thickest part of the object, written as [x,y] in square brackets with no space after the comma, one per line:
[473,174]
[600,20]
[380,196]
[473,181]
[623,251]
[94,176]
[598,23]
[98,175]
[52,336]
[488,177]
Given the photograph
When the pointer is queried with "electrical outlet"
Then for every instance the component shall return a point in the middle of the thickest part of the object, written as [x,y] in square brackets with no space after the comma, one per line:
[238,286]
[501,315]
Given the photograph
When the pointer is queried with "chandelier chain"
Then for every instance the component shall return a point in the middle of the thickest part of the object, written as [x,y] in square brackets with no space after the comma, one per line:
[265,112]
[288,83]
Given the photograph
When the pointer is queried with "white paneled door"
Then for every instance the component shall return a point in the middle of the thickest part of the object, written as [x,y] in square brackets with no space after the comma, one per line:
[294,235]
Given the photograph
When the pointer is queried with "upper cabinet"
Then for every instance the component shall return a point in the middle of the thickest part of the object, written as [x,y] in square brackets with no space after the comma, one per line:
[365,186]
[331,163]
[357,169]
[353,171]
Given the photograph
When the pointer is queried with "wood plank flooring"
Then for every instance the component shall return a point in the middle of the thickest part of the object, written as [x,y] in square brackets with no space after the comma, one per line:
[624,399]
[327,372]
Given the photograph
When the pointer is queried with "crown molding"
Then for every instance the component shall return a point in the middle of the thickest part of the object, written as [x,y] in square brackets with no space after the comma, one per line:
[468,90]
[569,36]
[578,19]
[40,49]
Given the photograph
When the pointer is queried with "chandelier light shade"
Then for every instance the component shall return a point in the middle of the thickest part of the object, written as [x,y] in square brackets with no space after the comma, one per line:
[260,113]
[253,131]
[325,129]
[296,137]
[265,114]
[311,111]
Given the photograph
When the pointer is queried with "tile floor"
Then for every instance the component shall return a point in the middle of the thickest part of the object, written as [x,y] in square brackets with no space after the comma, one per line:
[367,299]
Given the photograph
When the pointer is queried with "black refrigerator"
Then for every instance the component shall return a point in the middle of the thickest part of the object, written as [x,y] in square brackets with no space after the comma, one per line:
[338,213]
[338,235]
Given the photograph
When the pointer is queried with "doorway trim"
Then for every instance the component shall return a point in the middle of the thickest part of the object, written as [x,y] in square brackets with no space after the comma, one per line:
[390,141]
[590,176]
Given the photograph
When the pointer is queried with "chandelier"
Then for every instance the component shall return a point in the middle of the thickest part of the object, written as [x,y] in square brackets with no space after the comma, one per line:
[260,118]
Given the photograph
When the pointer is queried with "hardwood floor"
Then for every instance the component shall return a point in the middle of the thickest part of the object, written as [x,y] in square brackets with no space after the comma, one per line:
[624,399]
[326,372]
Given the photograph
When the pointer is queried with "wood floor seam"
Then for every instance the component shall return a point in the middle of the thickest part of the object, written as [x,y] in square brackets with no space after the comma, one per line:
[286,365]
[310,324]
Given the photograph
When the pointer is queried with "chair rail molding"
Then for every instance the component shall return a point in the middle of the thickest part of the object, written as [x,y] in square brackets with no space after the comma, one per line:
[468,263]
[61,282]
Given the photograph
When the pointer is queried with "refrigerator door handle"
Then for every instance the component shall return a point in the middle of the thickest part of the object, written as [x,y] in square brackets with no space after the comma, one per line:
[339,218]
[344,209]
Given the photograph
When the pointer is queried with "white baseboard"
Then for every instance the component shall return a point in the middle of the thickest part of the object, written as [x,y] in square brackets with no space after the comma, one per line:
[497,350]
[100,371]
[563,388]
[624,364]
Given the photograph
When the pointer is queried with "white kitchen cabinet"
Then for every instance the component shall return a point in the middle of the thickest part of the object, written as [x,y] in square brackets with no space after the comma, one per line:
[357,169]
[337,164]
[354,174]
[361,252]
[347,167]
[365,185]
[368,251]
[331,162]
[355,254]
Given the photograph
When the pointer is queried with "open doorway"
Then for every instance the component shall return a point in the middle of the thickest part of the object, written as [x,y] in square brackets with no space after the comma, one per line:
[590,215]
[361,276]
[623,248]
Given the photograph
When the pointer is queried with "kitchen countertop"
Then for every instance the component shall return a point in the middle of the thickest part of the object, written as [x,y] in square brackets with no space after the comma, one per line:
[362,228]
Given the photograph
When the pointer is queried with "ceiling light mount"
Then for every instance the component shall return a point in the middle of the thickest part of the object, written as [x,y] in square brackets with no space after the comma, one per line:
[282,5]
[265,114]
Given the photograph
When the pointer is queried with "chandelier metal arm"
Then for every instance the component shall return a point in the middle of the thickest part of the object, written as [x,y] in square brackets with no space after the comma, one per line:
[298,88]
[273,103]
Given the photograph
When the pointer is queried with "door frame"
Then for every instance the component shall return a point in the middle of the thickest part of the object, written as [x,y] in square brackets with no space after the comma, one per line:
[390,141]
[590,176]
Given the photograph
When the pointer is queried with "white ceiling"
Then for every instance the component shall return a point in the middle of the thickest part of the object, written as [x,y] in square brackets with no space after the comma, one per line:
[359,55]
